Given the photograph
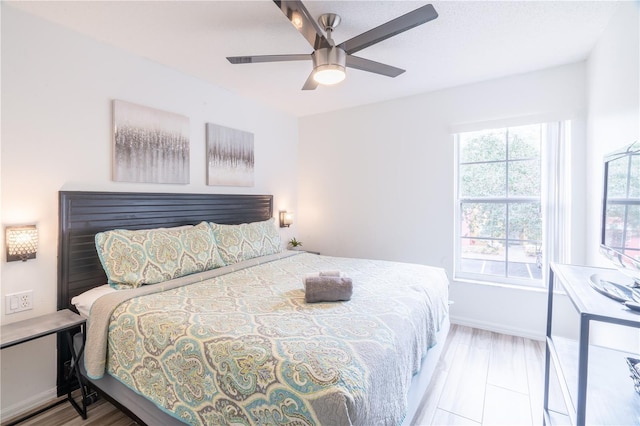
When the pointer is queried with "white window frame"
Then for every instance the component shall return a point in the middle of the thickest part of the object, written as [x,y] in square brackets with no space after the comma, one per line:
[555,190]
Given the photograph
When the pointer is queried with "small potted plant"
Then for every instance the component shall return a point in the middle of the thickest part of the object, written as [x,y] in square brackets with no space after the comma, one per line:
[295,244]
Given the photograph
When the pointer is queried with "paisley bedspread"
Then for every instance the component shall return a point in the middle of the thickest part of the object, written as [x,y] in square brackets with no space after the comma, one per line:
[244,347]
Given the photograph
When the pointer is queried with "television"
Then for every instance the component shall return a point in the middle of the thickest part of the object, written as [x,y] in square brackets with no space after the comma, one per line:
[620,232]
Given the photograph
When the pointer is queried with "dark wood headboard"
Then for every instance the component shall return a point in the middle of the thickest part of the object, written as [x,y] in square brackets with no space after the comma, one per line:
[83,214]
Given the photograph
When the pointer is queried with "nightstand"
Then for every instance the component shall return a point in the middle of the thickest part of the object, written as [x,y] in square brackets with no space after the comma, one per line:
[64,321]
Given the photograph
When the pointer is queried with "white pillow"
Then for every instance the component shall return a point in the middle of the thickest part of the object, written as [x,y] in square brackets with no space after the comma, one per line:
[84,301]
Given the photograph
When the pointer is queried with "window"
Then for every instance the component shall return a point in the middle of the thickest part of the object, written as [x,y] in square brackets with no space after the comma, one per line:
[499,235]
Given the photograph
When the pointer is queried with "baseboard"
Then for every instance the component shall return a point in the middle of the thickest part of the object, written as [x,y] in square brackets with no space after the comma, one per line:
[497,328]
[28,404]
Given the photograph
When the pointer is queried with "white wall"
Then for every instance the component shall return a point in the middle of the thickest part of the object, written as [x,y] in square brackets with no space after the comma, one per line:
[57,89]
[377,181]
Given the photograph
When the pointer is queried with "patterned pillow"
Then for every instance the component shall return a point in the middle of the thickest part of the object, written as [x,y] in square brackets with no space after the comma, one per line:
[149,256]
[246,241]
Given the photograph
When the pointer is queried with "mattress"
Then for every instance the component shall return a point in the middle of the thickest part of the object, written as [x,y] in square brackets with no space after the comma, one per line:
[240,345]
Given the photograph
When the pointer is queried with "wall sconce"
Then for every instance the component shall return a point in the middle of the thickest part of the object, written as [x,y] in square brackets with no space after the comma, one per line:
[286,219]
[21,242]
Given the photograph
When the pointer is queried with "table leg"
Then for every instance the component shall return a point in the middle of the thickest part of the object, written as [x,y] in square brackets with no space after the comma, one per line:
[75,371]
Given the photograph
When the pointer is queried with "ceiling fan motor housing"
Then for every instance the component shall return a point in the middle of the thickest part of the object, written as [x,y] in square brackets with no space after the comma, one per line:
[329,56]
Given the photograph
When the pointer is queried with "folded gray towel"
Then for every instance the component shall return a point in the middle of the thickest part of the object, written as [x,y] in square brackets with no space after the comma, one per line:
[324,274]
[327,289]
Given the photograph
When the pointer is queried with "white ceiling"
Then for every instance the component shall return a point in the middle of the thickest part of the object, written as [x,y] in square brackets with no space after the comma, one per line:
[470,41]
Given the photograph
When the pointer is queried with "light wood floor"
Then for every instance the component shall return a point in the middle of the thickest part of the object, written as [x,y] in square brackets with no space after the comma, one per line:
[483,378]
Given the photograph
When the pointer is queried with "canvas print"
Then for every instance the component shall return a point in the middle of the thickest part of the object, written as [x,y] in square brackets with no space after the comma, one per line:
[150,145]
[230,159]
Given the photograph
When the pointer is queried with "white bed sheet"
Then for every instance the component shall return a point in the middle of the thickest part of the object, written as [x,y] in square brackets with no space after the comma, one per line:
[84,301]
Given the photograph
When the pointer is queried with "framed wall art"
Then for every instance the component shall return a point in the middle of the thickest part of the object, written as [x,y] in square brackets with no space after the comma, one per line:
[230,158]
[149,145]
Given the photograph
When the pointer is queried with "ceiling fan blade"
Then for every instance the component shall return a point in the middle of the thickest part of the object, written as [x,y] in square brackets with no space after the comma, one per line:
[267,58]
[300,17]
[389,29]
[372,66]
[310,84]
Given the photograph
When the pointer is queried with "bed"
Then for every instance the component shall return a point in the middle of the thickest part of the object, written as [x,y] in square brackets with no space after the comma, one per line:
[237,343]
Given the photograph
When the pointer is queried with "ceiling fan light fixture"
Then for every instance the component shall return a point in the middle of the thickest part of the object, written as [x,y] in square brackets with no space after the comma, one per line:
[329,65]
[329,74]
[296,20]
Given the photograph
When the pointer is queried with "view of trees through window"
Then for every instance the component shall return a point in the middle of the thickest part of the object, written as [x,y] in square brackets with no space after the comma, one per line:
[499,191]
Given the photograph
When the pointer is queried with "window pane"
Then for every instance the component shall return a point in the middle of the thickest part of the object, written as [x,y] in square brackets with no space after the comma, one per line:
[483,180]
[634,180]
[622,229]
[617,174]
[524,261]
[525,221]
[524,142]
[483,257]
[499,190]
[485,220]
[633,226]
[615,225]
[486,145]
[524,178]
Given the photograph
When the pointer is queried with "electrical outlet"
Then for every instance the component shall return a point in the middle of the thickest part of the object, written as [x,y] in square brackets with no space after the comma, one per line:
[18,302]
[25,300]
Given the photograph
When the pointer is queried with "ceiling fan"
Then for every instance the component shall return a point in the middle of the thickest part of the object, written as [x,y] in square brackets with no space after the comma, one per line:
[329,60]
